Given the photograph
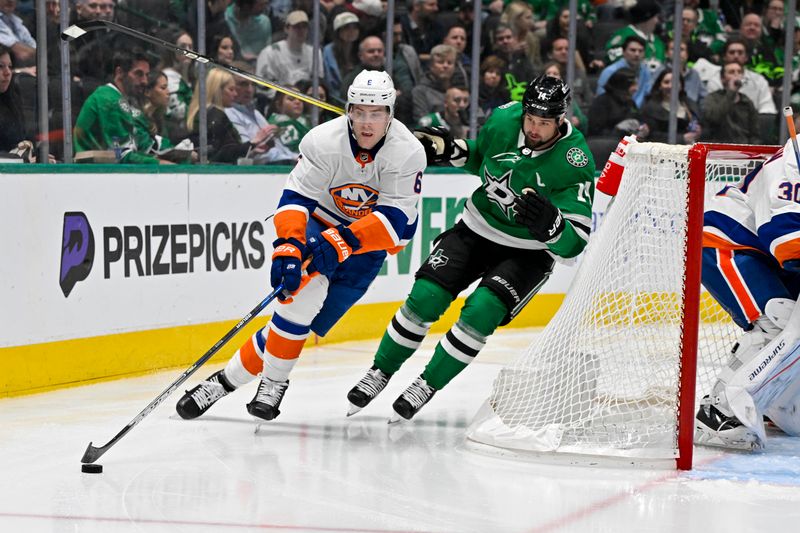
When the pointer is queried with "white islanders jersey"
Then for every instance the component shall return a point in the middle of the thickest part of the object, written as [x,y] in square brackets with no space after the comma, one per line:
[347,183]
[763,213]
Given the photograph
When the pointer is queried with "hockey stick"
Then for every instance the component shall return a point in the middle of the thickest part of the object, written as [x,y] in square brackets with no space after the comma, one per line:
[78,30]
[92,453]
[789,115]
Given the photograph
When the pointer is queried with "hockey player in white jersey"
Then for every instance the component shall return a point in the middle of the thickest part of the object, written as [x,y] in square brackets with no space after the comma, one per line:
[351,198]
[751,266]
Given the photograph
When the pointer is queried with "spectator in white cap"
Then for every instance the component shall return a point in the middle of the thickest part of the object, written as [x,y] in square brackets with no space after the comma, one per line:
[371,15]
[290,60]
[340,56]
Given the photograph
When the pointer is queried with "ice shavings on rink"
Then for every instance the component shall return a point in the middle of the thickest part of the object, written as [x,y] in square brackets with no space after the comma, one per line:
[779,464]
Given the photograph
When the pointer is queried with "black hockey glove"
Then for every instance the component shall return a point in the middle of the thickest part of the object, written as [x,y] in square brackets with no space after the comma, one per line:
[440,147]
[543,220]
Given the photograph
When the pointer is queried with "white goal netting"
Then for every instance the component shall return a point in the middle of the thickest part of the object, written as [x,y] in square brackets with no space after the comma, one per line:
[604,376]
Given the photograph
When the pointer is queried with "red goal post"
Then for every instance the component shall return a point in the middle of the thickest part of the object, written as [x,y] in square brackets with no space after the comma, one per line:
[619,369]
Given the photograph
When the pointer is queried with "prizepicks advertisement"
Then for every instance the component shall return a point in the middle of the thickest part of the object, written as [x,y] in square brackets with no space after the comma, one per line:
[97,254]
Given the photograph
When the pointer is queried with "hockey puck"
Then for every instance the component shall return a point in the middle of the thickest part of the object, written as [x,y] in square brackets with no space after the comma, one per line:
[92,468]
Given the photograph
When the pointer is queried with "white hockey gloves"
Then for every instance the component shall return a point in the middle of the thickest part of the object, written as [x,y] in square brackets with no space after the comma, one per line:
[440,147]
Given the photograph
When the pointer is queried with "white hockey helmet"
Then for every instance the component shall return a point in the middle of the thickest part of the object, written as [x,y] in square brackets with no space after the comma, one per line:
[372,87]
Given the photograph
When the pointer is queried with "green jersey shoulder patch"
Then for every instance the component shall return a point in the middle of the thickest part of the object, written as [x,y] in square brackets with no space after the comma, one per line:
[576,157]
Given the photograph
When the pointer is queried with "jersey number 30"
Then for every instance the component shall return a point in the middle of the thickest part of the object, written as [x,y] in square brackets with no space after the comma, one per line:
[789,191]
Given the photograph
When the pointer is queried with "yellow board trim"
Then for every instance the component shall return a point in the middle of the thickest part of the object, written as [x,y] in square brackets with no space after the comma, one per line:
[42,367]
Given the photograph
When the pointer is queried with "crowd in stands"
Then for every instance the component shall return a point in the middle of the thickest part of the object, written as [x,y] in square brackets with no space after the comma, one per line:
[134,103]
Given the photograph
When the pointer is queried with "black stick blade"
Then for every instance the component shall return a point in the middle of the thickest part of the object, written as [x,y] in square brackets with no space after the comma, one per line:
[92,454]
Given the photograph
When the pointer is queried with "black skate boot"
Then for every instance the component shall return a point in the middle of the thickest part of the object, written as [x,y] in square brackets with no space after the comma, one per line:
[267,399]
[411,401]
[198,400]
[714,428]
[373,382]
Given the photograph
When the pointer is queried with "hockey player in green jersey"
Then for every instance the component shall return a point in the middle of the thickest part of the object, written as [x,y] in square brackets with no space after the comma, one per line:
[533,207]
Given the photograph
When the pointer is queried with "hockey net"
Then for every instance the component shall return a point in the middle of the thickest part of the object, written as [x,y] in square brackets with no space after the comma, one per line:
[619,369]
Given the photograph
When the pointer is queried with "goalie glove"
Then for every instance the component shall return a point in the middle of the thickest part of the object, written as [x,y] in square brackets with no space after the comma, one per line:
[611,174]
[329,248]
[287,264]
[543,220]
[440,147]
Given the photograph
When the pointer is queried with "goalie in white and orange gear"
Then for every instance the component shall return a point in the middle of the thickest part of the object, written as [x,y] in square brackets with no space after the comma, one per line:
[751,265]
[350,200]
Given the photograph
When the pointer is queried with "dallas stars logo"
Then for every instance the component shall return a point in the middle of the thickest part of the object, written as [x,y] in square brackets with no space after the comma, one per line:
[438,259]
[577,158]
[498,190]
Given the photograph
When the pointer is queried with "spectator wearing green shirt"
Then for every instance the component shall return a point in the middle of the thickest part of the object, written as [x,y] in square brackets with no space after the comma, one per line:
[709,28]
[766,58]
[112,116]
[291,120]
[549,9]
[644,17]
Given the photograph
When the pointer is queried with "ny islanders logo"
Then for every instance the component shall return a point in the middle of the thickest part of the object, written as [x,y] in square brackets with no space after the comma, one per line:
[355,200]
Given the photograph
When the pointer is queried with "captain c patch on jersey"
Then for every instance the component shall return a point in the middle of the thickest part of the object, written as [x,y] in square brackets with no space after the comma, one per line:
[355,200]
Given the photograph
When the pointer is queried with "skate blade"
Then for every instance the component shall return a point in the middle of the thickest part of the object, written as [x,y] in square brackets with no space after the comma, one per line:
[353,409]
[396,419]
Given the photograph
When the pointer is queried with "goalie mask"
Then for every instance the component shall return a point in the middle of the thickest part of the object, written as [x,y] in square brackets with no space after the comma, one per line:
[372,87]
[546,97]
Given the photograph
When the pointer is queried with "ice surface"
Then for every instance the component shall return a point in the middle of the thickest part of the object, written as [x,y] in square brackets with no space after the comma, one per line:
[313,469]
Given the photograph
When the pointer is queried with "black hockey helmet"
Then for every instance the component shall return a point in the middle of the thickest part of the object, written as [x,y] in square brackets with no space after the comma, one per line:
[546,97]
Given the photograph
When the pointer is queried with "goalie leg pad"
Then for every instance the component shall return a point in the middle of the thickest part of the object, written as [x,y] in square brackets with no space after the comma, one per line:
[760,368]
[785,409]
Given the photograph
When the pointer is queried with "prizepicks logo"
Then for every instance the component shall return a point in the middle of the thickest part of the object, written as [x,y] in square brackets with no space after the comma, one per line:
[158,249]
[77,251]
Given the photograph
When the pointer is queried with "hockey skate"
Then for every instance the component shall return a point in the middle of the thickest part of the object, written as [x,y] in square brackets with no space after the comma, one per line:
[411,401]
[373,382]
[267,399]
[198,400]
[714,428]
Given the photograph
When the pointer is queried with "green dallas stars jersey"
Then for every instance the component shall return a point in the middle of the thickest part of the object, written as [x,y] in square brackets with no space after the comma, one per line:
[292,130]
[563,173]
